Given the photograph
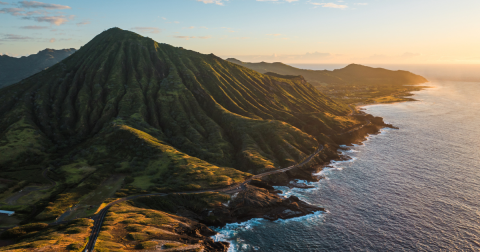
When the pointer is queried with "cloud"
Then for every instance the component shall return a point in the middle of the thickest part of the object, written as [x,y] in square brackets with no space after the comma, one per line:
[3,3]
[56,20]
[39,15]
[146,29]
[330,5]
[34,27]
[361,3]
[275,35]
[13,11]
[14,37]
[52,40]
[35,4]
[192,37]
[164,18]
[194,27]
[83,23]
[217,2]
[184,37]
[228,29]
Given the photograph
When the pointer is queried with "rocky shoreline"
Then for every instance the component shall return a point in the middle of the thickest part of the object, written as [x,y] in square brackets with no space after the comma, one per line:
[261,200]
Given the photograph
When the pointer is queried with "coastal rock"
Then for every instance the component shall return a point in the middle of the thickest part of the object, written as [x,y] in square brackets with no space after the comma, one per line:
[255,202]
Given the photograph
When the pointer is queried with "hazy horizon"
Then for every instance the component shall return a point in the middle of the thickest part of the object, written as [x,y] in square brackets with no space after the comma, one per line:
[289,31]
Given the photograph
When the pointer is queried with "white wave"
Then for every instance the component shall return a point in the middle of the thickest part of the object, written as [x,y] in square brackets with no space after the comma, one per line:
[327,171]
[298,192]
[349,151]
[306,218]
[308,183]
[229,231]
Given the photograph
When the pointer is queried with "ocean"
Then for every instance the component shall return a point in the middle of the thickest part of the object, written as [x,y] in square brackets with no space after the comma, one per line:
[412,189]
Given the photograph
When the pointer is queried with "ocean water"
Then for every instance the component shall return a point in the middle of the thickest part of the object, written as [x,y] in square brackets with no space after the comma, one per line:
[412,189]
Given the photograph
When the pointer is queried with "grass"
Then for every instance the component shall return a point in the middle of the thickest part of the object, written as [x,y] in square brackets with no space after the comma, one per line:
[172,170]
[20,138]
[172,245]
[59,206]
[127,227]
[192,202]
[76,172]
[66,237]
[105,190]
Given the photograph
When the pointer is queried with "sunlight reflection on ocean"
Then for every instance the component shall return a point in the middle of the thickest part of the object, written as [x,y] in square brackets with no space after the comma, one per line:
[412,189]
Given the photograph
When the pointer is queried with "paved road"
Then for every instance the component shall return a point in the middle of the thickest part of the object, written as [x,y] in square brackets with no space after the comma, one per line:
[98,219]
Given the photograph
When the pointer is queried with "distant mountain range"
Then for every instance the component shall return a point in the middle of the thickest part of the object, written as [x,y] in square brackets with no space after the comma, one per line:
[349,75]
[353,84]
[13,70]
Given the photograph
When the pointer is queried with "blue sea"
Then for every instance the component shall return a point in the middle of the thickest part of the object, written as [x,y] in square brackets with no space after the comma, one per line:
[412,189]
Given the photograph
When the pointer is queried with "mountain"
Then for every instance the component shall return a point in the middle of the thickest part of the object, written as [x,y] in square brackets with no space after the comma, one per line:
[13,70]
[168,118]
[351,84]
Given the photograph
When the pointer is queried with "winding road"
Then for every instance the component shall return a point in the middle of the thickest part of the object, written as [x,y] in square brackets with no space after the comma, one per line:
[98,218]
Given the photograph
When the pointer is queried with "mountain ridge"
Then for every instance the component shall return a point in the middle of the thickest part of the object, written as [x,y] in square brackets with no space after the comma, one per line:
[13,70]
[354,84]
[172,118]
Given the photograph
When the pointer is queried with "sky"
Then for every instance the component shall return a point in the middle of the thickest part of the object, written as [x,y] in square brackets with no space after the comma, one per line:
[289,31]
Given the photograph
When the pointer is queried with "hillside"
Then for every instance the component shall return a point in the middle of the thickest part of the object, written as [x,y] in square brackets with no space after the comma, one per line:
[125,112]
[13,70]
[351,84]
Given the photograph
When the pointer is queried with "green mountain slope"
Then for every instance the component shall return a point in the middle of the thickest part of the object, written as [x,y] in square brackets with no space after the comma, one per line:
[168,118]
[351,84]
[13,70]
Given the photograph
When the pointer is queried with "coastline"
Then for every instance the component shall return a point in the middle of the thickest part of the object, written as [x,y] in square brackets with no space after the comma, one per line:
[302,178]
[357,137]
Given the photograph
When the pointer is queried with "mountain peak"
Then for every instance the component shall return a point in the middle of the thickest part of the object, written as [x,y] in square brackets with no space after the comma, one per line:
[125,99]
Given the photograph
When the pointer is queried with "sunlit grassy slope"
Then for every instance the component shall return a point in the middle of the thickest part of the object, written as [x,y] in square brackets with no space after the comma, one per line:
[168,118]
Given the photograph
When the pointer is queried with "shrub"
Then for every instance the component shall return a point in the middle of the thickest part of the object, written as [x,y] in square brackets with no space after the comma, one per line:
[74,230]
[134,228]
[75,246]
[137,236]
[34,227]
[82,222]
[146,245]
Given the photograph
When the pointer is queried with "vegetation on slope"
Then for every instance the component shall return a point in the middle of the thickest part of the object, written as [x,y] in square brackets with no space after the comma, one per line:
[34,236]
[351,85]
[164,118]
[130,228]
[13,70]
